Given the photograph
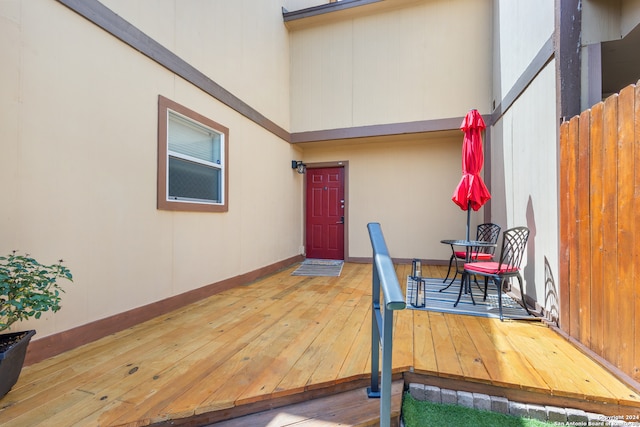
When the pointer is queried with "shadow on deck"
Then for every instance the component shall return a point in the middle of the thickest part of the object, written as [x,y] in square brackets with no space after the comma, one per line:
[286,339]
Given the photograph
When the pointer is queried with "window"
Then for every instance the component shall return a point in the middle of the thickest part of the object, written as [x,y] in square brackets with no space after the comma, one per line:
[192,160]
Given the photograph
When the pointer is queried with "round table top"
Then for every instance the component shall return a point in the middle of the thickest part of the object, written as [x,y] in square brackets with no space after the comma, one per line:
[467,243]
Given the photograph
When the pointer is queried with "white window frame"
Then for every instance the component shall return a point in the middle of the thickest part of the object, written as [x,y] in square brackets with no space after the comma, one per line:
[166,110]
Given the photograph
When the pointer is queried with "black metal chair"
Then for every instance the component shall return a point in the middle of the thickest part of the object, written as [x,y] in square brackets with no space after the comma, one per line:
[487,232]
[514,242]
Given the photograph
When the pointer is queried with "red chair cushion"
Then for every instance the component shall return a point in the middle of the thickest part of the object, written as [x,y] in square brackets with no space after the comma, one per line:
[489,268]
[474,255]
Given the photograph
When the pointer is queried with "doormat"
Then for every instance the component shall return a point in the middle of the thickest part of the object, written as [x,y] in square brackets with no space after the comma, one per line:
[443,301]
[319,267]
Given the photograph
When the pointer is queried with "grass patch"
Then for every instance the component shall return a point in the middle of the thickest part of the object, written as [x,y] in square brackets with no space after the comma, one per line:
[418,413]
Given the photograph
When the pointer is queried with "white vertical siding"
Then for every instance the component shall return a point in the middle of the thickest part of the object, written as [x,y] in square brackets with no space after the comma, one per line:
[524,140]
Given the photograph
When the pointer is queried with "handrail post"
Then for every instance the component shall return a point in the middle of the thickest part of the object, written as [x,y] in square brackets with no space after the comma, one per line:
[384,279]
[374,390]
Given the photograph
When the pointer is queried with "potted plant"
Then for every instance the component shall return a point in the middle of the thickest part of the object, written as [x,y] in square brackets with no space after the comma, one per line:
[27,289]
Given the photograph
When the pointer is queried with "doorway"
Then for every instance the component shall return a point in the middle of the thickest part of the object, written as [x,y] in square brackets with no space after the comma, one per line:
[325,213]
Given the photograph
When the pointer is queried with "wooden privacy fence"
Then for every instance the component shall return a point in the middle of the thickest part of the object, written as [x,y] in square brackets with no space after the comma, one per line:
[600,229]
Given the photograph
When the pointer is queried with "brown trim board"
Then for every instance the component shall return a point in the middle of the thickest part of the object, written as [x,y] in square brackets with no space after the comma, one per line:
[118,27]
[542,58]
[324,8]
[52,345]
[369,260]
[391,129]
[568,29]
[567,37]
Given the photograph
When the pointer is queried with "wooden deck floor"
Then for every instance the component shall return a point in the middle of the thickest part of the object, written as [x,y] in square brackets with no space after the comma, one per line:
[288,338]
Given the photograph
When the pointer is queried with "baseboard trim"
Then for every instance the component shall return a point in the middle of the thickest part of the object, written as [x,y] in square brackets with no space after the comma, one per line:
[369,260]
[52,345]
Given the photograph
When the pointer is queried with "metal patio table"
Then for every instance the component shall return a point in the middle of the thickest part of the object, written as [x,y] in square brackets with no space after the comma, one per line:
[465,282]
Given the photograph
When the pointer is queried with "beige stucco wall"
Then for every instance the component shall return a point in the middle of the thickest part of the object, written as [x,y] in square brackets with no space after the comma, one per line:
[524,142]
[78,137]
[394,62]
[416,61]
[242,45]
[406,185]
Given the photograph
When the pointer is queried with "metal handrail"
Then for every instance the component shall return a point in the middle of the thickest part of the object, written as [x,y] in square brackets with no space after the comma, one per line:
[385,278]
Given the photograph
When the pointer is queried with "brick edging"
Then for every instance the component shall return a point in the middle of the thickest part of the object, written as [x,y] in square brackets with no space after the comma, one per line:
[484,402]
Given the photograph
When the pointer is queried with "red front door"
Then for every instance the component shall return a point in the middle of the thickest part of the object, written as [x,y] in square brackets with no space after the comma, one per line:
[325,213]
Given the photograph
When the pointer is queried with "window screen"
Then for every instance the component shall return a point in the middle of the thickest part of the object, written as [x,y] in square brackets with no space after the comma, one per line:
[195,161]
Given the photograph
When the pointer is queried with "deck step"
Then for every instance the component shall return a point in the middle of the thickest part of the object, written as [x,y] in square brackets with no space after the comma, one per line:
[351,408]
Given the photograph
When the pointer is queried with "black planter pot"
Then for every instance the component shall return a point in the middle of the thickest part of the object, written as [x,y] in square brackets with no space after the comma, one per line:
[12,359]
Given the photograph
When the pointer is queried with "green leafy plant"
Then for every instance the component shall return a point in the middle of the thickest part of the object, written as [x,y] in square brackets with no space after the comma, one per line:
[28,288]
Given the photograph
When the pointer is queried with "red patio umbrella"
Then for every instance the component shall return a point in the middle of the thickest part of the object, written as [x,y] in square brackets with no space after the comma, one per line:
[471,192]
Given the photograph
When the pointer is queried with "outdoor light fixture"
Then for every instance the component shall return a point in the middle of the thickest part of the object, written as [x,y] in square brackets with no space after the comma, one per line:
[298,165]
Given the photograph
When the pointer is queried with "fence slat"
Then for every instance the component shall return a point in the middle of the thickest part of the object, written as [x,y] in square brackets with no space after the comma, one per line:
[596,180]
[635,370]
[565,186]
[626,213]
[610,225]
[574,289]
[583,281]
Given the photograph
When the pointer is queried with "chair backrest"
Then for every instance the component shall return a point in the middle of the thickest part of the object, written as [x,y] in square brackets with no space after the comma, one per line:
[514,242]
[487,233]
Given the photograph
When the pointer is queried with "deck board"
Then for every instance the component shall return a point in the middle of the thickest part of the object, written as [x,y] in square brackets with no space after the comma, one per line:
[511,364]
[282,337]
[447,361]
[538,350]
[469,357]
[424,352]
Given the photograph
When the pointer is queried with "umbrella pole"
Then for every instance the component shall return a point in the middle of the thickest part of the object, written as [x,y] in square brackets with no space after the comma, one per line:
[468,218]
